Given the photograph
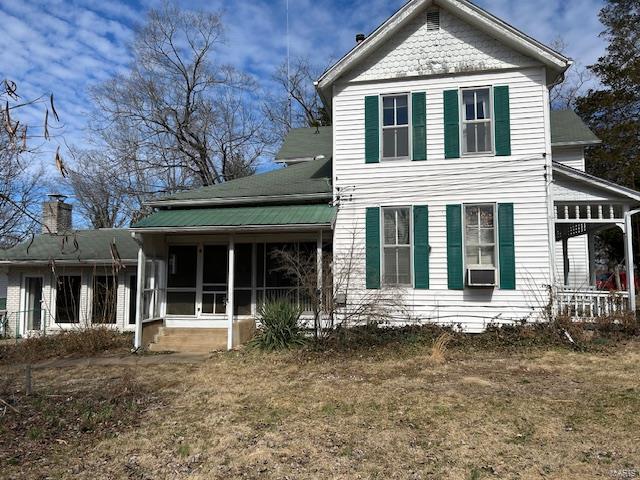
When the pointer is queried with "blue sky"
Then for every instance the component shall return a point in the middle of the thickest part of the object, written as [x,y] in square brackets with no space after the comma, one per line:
[65,46]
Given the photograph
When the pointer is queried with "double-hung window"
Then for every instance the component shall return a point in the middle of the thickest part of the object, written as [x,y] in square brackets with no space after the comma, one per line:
[395,126]
[396,226]
[476,121]
[480,235]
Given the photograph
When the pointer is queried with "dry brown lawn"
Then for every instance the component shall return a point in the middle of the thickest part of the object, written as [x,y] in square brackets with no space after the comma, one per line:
[386,413]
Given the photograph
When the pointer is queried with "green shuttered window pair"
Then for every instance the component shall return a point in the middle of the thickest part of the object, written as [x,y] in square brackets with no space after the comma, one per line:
[501,120]
[506,247]
[372,126]
[420,247]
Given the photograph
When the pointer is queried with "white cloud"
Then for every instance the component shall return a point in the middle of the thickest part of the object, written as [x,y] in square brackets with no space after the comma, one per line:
[65,46]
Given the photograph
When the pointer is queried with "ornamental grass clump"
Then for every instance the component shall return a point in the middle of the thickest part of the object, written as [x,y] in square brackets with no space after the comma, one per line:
[279,327]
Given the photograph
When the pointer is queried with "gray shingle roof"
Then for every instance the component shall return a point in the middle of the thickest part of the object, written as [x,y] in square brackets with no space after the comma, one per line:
[92,246]
[312,177]
[567,128]
[306,143]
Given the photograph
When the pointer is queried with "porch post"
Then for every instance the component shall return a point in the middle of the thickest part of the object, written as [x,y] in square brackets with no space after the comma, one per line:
[319,281]
[319,260]
[592,258]
[230,285]
[628,240]
[565,259]
[142,259]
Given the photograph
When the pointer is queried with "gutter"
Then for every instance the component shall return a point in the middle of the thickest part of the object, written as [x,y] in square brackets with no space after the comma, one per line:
[582,143]
[231,201]
[81,263]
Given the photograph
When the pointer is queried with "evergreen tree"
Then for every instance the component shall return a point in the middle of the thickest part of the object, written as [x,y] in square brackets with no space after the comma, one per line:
[613,109]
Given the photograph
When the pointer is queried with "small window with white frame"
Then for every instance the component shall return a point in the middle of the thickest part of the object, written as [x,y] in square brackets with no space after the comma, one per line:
[477,131]
[396,251]
[395,126]
[480,235]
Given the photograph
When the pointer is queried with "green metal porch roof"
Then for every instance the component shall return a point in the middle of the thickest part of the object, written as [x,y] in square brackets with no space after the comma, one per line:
[251,216]
[75,246]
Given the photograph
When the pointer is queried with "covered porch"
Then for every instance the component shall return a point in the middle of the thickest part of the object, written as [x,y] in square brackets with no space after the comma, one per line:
[204,273]
[583,207]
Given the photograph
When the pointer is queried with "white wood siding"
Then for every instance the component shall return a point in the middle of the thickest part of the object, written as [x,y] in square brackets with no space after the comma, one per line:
[578,253]
[570,156]
[568,190]
[436,182]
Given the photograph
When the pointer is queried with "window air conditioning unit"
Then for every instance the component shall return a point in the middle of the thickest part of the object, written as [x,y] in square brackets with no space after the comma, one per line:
[481,276]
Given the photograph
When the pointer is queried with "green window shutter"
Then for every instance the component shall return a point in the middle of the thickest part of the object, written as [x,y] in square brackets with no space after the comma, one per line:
[372,241]
[451,124]
[455,274]
[419,123]
[506,249]
[502,125]
[421,246]
[371,130]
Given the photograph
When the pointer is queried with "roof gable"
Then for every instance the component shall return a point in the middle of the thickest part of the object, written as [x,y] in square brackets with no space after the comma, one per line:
[415,50]
[463,9]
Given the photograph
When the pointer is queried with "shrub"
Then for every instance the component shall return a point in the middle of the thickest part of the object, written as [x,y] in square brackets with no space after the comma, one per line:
[77,342]
[279,327]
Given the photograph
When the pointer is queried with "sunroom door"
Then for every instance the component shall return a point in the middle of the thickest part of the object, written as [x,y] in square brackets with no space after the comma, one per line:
[33,315]
[214,279]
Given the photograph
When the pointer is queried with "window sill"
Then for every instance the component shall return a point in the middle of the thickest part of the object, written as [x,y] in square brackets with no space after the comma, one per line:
[480,154]
[394,159]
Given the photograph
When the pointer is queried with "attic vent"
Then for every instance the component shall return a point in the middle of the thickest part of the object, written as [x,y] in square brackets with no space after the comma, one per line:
[433,20]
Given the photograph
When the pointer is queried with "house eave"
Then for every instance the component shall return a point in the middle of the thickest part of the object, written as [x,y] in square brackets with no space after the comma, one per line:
[265,199]
[299,227]
[67,262]
[581,176]
[584,143]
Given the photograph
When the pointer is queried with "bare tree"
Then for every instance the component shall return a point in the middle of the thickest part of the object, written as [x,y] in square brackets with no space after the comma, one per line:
[20,143]
[297,103]
[178,118]
[563,96]
[100,193]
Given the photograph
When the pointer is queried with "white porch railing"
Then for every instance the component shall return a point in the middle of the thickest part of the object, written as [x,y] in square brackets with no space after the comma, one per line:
[292,294]
[586,304]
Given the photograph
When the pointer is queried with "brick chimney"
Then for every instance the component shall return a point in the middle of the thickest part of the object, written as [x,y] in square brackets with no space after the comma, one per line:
[56,214]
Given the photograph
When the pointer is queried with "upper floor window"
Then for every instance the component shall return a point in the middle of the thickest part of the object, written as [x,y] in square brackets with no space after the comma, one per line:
[395,126]
[396,252]
[480,235]
[476,121]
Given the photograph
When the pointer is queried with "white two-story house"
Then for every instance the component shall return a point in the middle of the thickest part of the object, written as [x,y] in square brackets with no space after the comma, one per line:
[446,189]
